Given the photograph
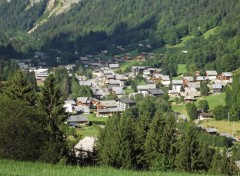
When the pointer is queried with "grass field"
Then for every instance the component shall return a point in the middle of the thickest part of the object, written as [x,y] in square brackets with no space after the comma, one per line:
[17,168]
[88,130]
[223,126]
[92,117]
[180,71]
[130,63]
[213,100]
[209,33]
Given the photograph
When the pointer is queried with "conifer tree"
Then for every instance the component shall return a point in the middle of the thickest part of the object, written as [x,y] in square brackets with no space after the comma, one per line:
[153,148]
[18,88]
[51,102]
[189,157]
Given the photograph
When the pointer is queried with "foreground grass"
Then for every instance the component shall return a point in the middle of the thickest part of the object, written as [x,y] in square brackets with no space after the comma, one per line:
[17,168]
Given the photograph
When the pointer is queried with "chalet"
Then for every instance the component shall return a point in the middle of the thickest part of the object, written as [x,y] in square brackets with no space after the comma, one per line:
[113,66]
[107,104]
[85,146]
[189,98]
[156,92]
[217,88]
[106,112]
[200,78]
[143,89]
[211,74]
[41,74]
[192,92]
[115,82]
[124,103]
[118,91]
[77,120]
[85,83]
[205,116]
[68,105]
[211,130]
[195,85]
[177,85]
[81,109]
[83,101]
[226,76]
[173,93]
[121,77]
[138,69]
[187,79]
[165,80]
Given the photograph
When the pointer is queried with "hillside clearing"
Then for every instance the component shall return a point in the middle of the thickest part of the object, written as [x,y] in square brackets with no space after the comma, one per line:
[17,168]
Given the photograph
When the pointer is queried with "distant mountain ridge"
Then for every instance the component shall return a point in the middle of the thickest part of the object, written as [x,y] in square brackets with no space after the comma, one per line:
[87,26]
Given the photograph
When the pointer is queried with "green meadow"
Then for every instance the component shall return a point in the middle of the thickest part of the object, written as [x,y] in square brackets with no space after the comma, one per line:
[18,168]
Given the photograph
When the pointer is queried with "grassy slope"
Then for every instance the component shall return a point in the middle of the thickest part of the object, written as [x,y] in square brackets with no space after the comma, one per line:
[223,126]
[213,100]
[14,168]
[209,33]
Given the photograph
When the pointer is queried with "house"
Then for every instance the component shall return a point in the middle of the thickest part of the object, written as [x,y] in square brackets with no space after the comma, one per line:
[107,104]
[143,89]
[156,92]
[177,85]
[118,91]
[86,101]
[205,115]
[113,66]
[217,88]
[173,93]
[77,120]
[124,103]
[226,76]
[106,112]
[211,130]
[189,98]
[165,80]
[85,146]
[211,75]
[187,79]
[68,105]
[81,109]
[200,78]
[195,85]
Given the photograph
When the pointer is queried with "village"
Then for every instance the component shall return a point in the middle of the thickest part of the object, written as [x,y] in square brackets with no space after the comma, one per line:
[108,80]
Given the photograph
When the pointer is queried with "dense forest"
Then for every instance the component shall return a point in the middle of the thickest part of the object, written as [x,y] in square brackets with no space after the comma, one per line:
[91,26]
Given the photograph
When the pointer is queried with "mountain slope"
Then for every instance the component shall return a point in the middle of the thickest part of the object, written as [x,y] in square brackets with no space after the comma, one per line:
[89,26]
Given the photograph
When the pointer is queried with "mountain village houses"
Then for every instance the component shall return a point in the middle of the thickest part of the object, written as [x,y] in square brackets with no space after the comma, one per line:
[107,80]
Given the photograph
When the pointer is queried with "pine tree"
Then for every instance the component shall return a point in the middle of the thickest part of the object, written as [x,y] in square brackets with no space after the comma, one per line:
[18,88]
[51,102]
[204,89]
[153,148]
[192,111]
[189,157]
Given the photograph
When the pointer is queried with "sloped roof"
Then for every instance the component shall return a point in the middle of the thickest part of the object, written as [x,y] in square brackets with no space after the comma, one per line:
[77,118]
[126,100]
[156,92]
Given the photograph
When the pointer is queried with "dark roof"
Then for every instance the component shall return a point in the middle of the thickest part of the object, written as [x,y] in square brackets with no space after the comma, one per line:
[127,100]
[77,118]
[156,92]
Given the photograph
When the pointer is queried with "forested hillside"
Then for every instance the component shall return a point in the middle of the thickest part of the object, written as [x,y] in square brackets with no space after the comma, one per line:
[93,25]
